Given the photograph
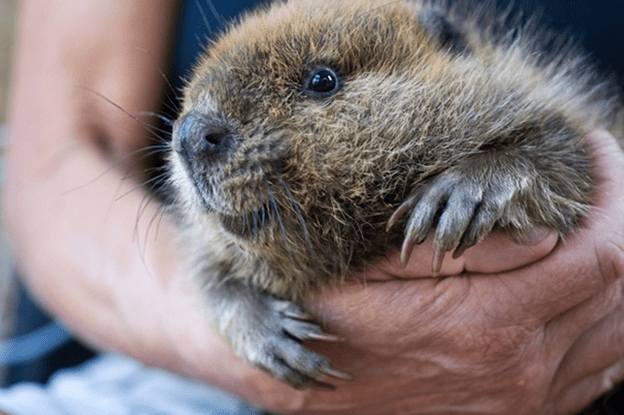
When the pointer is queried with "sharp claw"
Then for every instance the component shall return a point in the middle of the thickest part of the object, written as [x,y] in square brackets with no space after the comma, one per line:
[322,386]
[298,315]
[397,215]
[406,251]
[459,251]
[438,259]
[337,374]
[326,337]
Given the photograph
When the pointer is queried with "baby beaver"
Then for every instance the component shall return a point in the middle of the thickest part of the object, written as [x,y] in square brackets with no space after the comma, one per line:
[318,135]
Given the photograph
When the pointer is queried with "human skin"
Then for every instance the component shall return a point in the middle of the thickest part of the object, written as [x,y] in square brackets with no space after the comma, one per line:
[532,327]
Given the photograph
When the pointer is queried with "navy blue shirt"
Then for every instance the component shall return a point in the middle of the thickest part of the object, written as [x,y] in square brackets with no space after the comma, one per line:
[598,25]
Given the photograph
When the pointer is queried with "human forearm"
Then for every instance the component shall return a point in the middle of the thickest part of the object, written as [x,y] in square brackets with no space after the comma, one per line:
[84,253]
[58,130]
[61,135]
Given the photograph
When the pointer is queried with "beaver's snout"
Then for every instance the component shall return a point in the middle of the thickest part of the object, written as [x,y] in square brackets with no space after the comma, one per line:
[201,137]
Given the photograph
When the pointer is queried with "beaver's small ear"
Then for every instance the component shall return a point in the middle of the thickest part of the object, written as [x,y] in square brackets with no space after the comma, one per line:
[447,35]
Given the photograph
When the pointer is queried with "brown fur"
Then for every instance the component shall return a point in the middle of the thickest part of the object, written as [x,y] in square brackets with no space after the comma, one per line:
[439,107]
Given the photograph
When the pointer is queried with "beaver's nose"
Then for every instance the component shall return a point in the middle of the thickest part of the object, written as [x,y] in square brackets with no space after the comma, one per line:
[197,135]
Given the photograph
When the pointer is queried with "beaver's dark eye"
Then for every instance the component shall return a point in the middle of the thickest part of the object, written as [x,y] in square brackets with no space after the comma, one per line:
[322,82]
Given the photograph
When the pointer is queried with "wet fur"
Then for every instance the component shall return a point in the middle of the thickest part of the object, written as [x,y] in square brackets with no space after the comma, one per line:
[442,112]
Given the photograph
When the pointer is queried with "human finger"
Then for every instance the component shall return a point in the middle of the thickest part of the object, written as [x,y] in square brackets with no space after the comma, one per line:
[579,395]
[499,252]
[585,262]
[595,349]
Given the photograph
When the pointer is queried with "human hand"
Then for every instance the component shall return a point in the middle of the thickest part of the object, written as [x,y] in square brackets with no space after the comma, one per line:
[532,337]
[528,328]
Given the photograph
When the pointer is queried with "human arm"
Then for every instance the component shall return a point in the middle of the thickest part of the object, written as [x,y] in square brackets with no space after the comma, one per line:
[73,204]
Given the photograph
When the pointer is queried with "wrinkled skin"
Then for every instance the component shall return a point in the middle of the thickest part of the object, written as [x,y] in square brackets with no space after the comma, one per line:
[516,342]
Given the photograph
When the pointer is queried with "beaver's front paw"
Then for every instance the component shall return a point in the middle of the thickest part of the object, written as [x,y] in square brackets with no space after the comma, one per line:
[270,340]
[463,205]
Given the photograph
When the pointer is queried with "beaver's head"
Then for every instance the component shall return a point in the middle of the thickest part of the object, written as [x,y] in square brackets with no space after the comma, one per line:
[307,124]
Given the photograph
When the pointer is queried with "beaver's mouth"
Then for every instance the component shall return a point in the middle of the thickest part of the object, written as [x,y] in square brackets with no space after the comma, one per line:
[247,225]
